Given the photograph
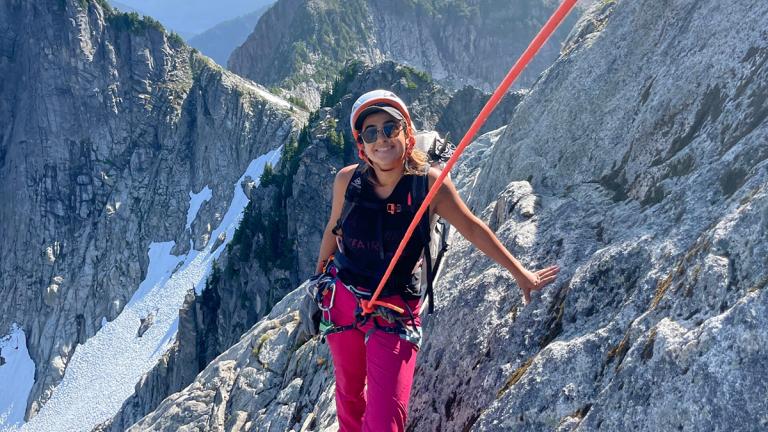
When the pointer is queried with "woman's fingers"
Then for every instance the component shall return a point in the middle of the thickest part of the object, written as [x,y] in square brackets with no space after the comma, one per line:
[546,276]
[540,279]
[548,271]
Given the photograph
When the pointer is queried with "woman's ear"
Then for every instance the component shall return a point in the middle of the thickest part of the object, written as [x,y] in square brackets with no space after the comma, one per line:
[361,154]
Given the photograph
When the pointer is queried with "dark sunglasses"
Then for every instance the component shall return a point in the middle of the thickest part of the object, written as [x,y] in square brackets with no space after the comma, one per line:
[390,129]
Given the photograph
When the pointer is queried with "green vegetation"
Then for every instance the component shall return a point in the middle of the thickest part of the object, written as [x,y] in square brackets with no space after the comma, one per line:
[267,176]
[292,152]
[214,278]
[133,22]
[448,10]
[256,350]
[104,5]
[298,102]
[415,75]
[300,55]
[174,38]
[210,296]
[335,143]
[414,78]
[84,4]
[268,226]
[268,229]
[338,89]
[335,30]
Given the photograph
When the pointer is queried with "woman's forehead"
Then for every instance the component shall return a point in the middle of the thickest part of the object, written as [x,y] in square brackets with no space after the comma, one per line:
[377,119]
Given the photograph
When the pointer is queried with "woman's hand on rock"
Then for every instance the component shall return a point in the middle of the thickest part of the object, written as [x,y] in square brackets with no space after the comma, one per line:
[536,280]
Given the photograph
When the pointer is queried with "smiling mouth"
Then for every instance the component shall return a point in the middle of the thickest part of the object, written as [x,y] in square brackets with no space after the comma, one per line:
[384,149]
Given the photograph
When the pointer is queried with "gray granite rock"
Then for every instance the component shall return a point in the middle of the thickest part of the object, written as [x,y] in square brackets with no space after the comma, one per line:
[644,148]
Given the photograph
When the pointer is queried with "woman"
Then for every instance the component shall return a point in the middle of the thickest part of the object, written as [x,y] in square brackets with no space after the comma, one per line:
[380,350]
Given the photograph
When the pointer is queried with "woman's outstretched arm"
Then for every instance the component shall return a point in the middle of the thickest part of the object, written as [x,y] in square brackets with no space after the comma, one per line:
[449,205]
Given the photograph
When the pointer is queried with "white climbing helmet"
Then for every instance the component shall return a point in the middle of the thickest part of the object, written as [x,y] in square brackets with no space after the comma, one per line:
[377,100]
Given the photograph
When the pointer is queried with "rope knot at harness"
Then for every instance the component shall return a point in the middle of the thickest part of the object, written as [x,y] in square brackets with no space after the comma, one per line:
[369,306]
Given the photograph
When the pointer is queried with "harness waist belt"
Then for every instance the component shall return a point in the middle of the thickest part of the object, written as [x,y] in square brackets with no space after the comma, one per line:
[353,274]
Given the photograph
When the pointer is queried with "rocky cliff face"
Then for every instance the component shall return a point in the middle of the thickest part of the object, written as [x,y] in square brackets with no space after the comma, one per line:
[638,164]
[106,125]
[300,46]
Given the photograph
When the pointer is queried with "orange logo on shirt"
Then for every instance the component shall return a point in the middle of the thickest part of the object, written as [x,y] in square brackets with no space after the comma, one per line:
[393,208]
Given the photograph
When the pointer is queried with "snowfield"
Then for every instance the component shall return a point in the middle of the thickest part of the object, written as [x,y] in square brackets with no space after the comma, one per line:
[104,370]
[17,374]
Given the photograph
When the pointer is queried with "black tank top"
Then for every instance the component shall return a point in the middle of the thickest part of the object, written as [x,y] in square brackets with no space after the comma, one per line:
[371,234]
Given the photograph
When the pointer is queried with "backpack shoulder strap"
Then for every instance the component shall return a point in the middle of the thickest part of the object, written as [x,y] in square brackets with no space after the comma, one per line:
[419,190]
[351,197]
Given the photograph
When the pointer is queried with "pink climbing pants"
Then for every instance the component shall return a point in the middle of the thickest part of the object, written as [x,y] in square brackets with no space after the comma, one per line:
[386,363]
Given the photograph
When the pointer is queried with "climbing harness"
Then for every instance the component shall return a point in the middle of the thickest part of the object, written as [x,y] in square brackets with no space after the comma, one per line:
[369,306]
[403,326]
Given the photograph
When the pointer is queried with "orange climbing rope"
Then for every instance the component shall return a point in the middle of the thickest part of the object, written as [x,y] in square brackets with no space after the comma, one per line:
[554,21]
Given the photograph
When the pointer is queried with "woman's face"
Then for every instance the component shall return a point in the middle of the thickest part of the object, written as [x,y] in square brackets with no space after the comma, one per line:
[387,153]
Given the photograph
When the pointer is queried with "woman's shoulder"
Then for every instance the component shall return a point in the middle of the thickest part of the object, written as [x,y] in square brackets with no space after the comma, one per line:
[345,174]
[433,173]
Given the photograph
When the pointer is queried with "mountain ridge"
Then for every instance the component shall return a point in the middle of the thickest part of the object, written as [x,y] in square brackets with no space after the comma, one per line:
[301,46]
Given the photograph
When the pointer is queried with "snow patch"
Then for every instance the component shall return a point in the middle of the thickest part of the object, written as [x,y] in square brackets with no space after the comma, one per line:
[103,371]
[195,201]
[274,99]
[17,374]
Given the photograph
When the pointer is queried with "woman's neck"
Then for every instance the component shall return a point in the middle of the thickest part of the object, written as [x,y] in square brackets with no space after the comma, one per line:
[388,177]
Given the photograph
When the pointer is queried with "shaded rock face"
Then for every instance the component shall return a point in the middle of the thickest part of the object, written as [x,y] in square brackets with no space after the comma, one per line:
[637,163]
[299,46]
[106,125]
[250,281]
